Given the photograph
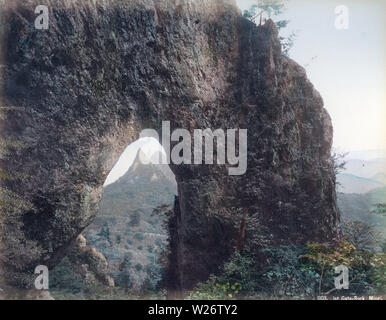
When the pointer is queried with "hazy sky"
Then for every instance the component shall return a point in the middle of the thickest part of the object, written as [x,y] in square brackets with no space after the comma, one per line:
[346,66]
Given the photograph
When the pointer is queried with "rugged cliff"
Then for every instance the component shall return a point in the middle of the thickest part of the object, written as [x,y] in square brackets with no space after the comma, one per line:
[75,95]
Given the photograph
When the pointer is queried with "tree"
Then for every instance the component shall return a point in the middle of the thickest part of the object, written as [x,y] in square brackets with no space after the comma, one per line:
[269,7]
[366,268]
[338,159]
[123,279]
[135,219]
[272,9]
[105,233]
[380,209]
[360,234]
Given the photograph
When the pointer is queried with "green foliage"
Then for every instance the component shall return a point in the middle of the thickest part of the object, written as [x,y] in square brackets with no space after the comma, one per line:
[383,247]
[64,278]
[296,272]
[105,233]
[270,7]
[215,289]
[284,276]
[96,291]
[380,209]
[241,269]
[139,236]
[135,219]
[367,269]
[361,235]
[126,263]
[364,207]
[339,162]
[123,279]
[154,272]
[273,9]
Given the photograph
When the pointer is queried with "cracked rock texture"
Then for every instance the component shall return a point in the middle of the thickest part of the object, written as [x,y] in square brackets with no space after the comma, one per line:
[74,96]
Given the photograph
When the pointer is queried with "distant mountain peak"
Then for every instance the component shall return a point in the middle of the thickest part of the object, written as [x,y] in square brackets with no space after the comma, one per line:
[140,159]
[144,176]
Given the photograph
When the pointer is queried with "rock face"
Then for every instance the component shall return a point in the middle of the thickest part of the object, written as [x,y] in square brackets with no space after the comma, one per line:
[75,95]
[92,263]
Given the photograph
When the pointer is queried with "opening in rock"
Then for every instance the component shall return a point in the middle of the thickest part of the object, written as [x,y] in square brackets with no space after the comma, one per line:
[130,229]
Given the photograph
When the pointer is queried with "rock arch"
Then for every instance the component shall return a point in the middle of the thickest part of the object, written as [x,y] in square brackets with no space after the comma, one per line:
[75,95]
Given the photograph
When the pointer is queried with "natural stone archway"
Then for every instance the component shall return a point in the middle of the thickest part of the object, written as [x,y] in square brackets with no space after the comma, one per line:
[81,91]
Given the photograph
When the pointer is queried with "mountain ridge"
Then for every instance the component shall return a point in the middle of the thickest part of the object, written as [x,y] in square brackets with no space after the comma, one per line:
[349,183]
